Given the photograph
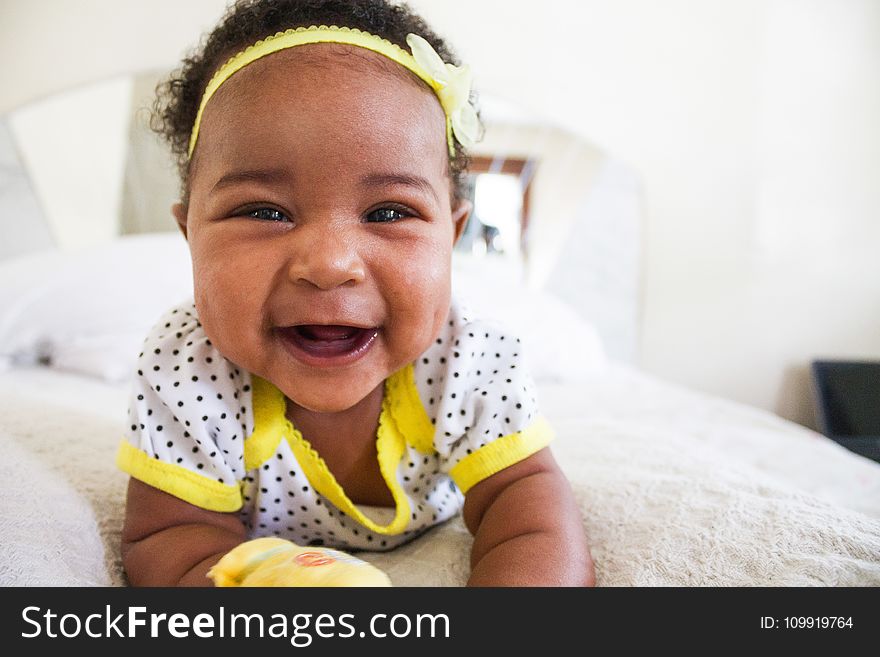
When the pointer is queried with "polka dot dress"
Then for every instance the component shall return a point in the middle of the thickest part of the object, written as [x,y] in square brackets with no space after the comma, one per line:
[192,433]
[474,386]
[191,407]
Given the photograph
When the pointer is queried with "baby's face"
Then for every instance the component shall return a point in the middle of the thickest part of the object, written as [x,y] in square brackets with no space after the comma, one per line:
[320,222]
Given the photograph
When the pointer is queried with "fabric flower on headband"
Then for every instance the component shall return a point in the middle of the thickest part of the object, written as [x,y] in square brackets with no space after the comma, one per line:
[453,88]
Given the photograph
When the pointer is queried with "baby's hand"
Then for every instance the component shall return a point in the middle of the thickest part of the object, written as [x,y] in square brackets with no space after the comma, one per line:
[277,562]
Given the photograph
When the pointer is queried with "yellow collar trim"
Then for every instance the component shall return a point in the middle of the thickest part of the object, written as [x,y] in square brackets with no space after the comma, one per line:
[349,36]
[270,423]
[408,412]
[271,426]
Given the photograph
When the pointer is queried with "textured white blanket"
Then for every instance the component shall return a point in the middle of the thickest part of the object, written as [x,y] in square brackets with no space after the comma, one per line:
[675,489]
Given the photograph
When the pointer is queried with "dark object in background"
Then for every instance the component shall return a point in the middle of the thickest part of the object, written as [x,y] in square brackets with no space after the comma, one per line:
[847,395]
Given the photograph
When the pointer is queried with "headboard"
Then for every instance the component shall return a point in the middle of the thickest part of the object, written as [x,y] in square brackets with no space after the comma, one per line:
[22,222]
[598,270]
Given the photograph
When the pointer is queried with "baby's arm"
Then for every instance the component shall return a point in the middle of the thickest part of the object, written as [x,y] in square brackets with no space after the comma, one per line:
[527,528]
[169,542]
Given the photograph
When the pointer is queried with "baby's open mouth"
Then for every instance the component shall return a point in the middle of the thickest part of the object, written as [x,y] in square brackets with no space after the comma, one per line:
[328,343]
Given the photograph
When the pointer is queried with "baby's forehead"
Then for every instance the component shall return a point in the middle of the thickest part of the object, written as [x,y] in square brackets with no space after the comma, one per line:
[349,57]
[330,92]
[342,77]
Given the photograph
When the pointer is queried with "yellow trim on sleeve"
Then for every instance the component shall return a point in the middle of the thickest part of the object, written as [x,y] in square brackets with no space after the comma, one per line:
[409,412]
[177,480]
[501,453]
[270,423]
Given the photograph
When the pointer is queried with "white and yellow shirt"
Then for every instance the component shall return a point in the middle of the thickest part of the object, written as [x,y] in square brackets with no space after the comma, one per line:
[216,436]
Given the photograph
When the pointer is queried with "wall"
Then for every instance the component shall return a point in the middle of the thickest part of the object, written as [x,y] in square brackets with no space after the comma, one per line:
[754,127]
[752,123]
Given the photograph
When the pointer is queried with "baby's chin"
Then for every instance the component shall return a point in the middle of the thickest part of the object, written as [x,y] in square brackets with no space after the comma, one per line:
[335,402]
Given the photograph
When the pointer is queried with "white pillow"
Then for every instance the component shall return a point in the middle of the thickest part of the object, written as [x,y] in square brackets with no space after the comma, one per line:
[88,311]
[560,346]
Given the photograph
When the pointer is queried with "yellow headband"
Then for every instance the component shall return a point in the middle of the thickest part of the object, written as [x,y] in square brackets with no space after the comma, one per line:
[451,84]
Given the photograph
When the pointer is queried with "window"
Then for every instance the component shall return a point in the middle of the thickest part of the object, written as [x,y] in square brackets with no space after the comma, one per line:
[499,189]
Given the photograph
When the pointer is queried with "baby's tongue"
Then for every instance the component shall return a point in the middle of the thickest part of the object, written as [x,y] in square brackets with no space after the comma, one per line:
[327,332]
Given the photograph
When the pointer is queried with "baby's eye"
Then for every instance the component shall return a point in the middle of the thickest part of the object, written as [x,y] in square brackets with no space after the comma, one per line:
[267,214]
[386,215]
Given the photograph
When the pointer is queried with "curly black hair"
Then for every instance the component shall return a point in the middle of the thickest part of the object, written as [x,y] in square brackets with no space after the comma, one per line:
[247,21]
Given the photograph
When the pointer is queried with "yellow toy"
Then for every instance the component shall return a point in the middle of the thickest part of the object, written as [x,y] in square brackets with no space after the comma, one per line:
[277,562]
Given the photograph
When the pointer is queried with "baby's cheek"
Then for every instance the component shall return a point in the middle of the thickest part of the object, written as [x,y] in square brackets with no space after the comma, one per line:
[228,276]
[226,299]
[421,295]
[213,287]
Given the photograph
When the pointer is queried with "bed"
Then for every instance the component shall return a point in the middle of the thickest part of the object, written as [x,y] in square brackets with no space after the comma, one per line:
[676,488]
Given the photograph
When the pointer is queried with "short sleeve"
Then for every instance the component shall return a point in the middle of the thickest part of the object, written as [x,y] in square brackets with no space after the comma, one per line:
[475,386]
[189,415]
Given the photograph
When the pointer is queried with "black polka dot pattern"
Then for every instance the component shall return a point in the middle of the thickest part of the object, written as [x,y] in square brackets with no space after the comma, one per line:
[174,411]
[193,408]
[474,386]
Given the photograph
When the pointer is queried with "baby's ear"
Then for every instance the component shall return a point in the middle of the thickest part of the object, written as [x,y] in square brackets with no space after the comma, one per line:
[460,213]
[179,211]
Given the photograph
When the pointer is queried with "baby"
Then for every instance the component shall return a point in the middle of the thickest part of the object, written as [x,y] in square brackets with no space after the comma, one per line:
[324,387]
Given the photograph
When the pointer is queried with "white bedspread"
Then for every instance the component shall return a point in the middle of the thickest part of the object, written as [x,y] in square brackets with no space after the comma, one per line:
[676,488]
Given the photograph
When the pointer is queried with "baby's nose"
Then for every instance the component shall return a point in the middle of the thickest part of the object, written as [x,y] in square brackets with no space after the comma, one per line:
[326,258]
